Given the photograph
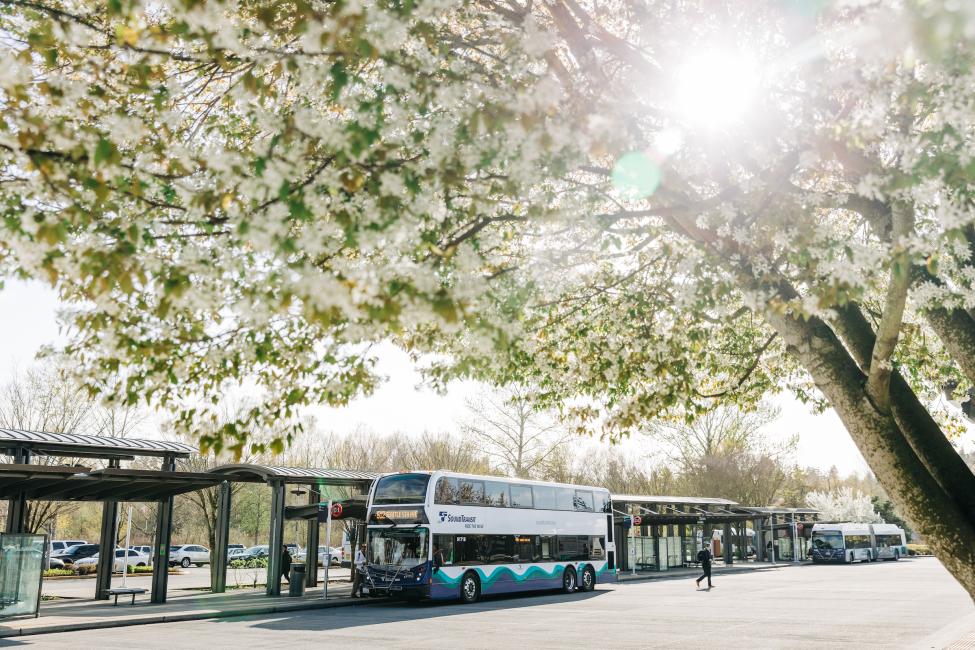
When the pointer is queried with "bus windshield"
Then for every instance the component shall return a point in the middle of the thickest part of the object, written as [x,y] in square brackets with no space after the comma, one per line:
[401,488]
[825,541]
[398,546]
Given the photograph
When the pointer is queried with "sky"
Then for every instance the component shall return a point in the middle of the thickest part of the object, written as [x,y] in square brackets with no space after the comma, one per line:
[403,403]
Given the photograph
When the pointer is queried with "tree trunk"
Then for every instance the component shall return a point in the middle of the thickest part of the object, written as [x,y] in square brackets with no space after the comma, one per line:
[934,512]
[921,431]
[956,329]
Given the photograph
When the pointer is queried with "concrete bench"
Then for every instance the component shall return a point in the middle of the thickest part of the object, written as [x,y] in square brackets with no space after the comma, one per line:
[126,591]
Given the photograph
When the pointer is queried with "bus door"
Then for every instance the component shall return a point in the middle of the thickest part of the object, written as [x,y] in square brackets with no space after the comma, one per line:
[610,544]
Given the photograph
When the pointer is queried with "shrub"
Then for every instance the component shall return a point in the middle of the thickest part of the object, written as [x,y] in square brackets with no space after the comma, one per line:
[86,569]
[50,573]
[918,549]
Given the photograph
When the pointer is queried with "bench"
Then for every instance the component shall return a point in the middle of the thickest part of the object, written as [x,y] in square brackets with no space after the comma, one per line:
[126,591]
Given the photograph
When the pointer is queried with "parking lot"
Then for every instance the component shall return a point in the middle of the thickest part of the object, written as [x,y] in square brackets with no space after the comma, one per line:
[187,579]
[882,605]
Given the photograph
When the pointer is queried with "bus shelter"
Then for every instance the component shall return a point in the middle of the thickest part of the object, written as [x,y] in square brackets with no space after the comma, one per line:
[313,482]
[782,534]
[672,529]
[25,480]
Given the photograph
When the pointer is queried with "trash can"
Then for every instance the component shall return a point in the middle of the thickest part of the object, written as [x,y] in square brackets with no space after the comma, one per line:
[296,581]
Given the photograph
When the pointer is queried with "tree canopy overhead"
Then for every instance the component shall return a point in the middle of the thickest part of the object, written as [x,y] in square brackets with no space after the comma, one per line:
[645,209]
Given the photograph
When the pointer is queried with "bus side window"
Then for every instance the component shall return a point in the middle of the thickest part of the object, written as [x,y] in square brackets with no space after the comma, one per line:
[446,544]
[544,497]
[521,496]
[471,492]
[596,548]
[565,498]
[447,491]
[546,547]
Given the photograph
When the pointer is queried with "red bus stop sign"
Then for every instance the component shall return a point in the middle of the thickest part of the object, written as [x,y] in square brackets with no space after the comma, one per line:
[637,520]
[336,511]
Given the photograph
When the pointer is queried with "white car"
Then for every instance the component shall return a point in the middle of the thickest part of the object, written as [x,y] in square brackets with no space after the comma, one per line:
[135,558]
[188,554]
[299,557]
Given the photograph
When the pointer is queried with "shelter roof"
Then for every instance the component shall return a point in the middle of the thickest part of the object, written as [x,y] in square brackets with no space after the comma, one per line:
[77,445]
[76,483]
[694,501]
[304,475]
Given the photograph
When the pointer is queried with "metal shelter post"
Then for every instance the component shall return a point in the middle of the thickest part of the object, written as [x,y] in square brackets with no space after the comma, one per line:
[273,587]
[728,543]
[311,554]
[164,533]
[17,507]
[218,563]
[759,528]
[106,544]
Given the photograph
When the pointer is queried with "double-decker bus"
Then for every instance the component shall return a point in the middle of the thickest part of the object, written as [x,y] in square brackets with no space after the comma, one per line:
[443,535]
[852,542]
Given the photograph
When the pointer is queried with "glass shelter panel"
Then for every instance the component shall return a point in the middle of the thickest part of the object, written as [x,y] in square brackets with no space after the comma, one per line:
[21,566]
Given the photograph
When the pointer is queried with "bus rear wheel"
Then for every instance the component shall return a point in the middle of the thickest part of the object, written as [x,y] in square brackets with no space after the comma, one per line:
[588,582]
[470,588]
[569,580]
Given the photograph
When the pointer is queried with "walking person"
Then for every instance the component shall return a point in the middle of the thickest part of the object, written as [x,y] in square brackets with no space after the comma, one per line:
[358,571]
[704,557]
[285,564]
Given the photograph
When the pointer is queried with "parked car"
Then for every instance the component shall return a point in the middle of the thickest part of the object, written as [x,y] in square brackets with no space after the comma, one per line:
[77,552]
[54,563]
[188,554]
[145,550]
[322,550]
[234,547]
[135,558]
[61,545]
[252,553]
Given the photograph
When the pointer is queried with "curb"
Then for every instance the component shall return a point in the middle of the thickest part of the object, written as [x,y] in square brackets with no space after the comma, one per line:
[188,616]
[663,576]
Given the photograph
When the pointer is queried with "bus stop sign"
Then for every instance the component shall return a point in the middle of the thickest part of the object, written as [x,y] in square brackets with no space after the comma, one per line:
[637,520]
[336,511]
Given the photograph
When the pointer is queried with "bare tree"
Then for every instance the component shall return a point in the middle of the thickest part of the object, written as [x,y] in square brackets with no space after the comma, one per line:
[44,398]
[518,439]
[725,454]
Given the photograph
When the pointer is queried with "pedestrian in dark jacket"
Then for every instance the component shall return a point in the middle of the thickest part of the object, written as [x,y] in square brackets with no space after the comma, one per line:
[704,557]
[285,563]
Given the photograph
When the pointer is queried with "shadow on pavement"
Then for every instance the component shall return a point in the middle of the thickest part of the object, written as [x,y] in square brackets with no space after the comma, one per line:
[393,611]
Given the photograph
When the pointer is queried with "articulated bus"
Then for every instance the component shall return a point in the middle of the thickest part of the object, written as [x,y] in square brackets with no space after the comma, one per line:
[443,535]
[852,542]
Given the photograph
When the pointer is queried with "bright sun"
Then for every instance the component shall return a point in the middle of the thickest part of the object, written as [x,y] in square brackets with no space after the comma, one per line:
[716,88]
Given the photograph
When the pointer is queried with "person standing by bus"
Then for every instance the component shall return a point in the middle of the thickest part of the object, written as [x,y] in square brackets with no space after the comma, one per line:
[359,570]
[704,557]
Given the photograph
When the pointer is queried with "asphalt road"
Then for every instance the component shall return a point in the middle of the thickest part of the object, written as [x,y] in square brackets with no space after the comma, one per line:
[881,605]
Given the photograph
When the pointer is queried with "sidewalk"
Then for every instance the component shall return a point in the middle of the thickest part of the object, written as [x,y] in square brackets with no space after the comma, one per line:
[68,615]
[717,570]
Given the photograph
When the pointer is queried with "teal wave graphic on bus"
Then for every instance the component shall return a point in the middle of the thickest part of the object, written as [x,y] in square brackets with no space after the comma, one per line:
[531,573]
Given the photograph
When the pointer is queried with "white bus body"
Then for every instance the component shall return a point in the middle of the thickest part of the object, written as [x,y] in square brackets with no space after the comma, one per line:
[492,535]
[889,541]
[855,542]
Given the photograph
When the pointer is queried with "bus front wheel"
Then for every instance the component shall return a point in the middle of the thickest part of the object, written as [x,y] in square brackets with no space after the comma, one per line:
[470,588]
[569,580]
[588,582]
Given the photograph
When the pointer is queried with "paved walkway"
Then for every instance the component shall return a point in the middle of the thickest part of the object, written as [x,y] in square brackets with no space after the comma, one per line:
[717,570]
[68,615]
